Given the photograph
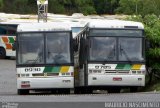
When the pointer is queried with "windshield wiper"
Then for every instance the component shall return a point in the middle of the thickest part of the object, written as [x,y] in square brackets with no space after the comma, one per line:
[34,61]
[126,55]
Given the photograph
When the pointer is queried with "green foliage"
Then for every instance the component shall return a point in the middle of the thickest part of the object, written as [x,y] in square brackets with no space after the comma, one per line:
[20,6]
[152,32]
[135,18]
[154,53]
[56,7]
[61,6]
[126,7]
[1,4]
[131,7]
[87,10]
[142,7]
[105,6]
[84,6]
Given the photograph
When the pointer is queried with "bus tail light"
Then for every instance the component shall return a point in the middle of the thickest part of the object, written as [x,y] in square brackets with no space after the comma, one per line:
[25,84]
[68,74]
[117,79]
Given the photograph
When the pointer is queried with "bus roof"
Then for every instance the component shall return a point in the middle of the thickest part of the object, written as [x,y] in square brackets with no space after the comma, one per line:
[50,26]
[77,27]
[6,23]
[115,24]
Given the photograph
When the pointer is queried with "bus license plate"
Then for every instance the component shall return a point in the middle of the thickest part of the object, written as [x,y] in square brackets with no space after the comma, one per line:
[117,79]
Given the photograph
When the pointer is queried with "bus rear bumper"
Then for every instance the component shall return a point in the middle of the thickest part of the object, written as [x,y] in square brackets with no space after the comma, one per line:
[116,80]
[45,83]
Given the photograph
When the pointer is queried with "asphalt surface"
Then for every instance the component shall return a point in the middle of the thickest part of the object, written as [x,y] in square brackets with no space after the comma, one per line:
[10,99]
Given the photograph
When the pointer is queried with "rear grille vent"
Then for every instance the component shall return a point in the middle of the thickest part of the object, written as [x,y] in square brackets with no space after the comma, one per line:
[117,71]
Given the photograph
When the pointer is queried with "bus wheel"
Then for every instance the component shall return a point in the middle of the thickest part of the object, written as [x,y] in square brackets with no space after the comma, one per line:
[133,89]
[2,53]
[77,91]
[88,91]
[115,90]
[22,92]
[53,91]
[64,91]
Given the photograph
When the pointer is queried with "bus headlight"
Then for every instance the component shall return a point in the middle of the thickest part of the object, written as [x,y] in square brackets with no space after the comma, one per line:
[25,84]
[23,75]
[138,71]
[67,74]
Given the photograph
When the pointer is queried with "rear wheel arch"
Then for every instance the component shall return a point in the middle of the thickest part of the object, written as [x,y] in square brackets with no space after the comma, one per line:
[2,53]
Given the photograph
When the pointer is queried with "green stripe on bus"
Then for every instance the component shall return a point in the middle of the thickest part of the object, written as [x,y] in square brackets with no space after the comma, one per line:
[56,69]
[127,67]
[11,39]
[52,69]
[124,66]
[120,66]
[47,69]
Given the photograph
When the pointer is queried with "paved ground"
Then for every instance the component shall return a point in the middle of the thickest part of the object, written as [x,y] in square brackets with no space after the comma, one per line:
[7,77]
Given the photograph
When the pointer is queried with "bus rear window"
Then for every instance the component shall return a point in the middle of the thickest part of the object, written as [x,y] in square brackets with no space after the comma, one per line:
[8,29]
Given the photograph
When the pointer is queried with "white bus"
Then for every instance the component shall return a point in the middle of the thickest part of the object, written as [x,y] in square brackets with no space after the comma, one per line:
[44,57]
[7,38]
[110,56]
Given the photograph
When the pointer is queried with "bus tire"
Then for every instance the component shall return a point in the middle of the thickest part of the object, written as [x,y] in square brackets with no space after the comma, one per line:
[77,91]
[53,91]
[133,89]
[114,90]
[88,91]
[22,92]
[2,53]
[64,91]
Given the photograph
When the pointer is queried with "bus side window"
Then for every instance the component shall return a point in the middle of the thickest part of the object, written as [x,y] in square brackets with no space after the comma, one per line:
[11,29]
[3,29]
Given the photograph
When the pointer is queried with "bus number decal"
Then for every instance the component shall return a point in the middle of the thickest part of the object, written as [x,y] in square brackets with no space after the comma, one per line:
[103,67]
[32,69]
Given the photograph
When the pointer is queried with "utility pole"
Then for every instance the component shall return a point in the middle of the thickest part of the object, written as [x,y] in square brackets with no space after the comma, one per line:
[136,7]
[42,10]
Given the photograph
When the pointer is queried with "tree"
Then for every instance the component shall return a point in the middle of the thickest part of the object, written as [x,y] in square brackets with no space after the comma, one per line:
[1,4]
[142,7]
[84,6]
[127,6]
[152,32]
[105,6]
[150,7]
[20,6]
[55,6]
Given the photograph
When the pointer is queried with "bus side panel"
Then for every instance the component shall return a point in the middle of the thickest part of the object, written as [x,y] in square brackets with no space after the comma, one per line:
[52,82]
[7,42]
